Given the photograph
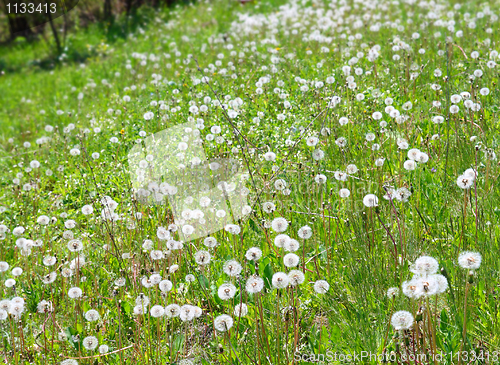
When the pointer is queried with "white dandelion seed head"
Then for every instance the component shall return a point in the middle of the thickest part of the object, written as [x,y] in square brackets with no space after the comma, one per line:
[370,200]
[240,310]
[157,311]
[296,277]
[410,165]
[465,182]
[268,207]
[280,280]
[232,268]
[142,300]
[305,232]
[402,320]
[210,242]
[469,260]
[172,310]
[75,292]
[226,291]
[69,362]
[45,307]
[187,313]
[254,284]
[409,289]
[392,292]
[292,245]
[281,240]
[320,179]
[9,283]
[90,343]
[165,286]
[279,224]
[425,265]
[442,283]
[202,257]
[291,260]
[470,173]
[253,254]
[321,286]
[92,315]
[223,323]
[344,193]
[426,286]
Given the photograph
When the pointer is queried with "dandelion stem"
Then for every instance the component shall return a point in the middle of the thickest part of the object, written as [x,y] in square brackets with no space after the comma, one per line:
[432,332]
[464,332]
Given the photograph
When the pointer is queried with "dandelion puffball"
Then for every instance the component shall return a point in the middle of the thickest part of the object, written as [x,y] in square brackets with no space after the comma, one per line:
[223,323]
[425,265]
[402,320]
[469,260]
[370,200]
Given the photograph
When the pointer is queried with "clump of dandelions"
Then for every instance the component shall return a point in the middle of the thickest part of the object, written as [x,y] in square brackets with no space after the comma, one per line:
[425,281]
[467,179]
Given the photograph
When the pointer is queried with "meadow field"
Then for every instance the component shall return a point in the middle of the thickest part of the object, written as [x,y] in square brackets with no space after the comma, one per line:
[268,182]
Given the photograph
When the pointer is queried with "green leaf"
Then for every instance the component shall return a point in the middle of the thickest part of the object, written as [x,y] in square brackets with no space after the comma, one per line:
[70,332]
[268,276]
[254,226]
[205,284]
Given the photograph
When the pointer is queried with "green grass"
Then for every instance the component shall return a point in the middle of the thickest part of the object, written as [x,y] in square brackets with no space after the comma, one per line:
[361,252]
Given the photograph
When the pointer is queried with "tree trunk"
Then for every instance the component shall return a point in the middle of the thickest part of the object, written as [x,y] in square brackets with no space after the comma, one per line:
[107,9]
[18,24]
[54,32]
